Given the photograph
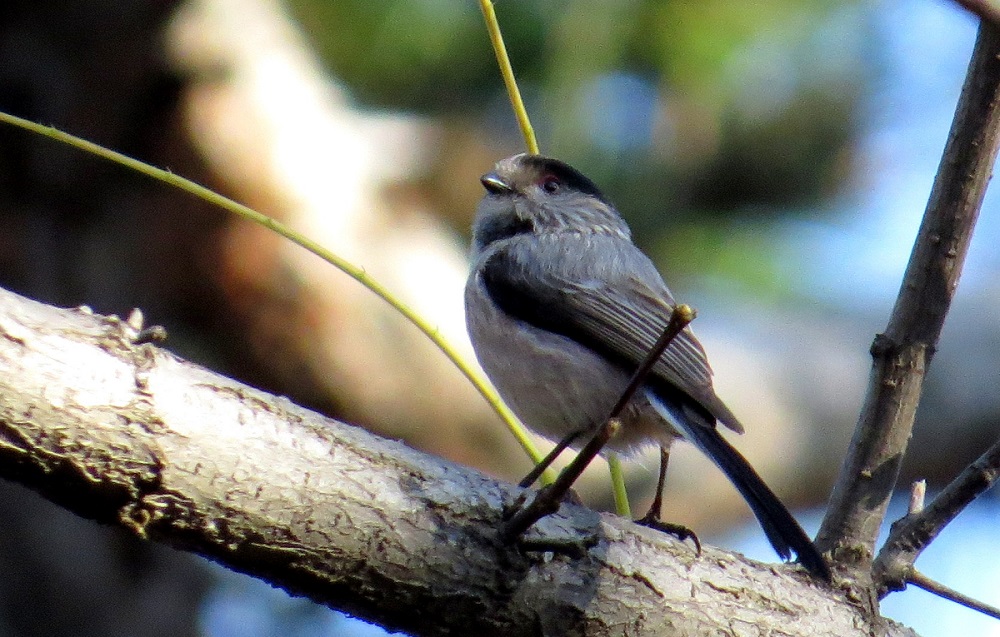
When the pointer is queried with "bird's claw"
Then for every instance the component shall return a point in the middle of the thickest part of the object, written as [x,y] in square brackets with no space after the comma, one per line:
[679,531]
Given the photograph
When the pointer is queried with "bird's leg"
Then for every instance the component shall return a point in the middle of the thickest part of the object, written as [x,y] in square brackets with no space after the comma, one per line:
[656,508]
[548,499]
[653,518]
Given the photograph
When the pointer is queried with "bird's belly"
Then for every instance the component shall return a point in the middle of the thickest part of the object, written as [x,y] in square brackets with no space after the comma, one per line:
[557,386]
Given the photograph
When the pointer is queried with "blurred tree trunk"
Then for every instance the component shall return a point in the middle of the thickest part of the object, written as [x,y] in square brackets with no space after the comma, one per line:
[71,227]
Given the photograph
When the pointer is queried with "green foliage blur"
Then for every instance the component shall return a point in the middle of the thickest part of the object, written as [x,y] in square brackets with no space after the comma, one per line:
[704,120]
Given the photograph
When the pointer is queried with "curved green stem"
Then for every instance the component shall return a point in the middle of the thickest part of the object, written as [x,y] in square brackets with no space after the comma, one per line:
[353,271]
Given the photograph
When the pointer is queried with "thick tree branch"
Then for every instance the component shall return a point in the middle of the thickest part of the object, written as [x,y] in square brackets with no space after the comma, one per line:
[985,9]
[128,434]
[901,355]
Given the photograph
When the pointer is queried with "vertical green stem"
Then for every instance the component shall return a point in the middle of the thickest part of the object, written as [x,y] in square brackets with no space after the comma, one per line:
[622,507]
[496,38]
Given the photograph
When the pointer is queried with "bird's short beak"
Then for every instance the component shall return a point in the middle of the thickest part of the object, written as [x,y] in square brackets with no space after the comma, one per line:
[494,184]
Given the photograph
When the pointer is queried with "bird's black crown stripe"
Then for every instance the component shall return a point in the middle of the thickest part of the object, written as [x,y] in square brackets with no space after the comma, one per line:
[570,176]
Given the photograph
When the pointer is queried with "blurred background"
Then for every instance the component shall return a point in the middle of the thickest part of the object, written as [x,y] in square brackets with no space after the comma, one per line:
[774,161]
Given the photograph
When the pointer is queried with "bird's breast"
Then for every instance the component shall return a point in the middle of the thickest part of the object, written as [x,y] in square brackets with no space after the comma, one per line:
[555,385]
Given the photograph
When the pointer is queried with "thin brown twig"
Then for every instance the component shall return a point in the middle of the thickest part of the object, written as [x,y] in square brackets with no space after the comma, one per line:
[937,588]
[680,317]
[548,499]
[547,461]
[901,355]
[911,534]
[918,492]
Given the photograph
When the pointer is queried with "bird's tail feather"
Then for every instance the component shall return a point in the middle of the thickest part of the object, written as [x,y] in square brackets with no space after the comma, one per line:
[781,528]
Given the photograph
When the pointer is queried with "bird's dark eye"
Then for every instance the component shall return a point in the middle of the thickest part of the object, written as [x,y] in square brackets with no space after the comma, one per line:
[551,184]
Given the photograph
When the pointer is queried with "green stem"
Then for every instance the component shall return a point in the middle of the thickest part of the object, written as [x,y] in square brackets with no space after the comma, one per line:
[353,271]
[496,38]
[618,486]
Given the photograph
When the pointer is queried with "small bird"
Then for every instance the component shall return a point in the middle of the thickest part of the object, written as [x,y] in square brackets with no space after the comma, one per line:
[562,308]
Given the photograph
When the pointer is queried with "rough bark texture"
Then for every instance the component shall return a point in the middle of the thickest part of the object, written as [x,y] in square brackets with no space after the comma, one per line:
[901,355]
[129,434]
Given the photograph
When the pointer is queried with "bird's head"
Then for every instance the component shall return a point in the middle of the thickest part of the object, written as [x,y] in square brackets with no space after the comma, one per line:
[536,194]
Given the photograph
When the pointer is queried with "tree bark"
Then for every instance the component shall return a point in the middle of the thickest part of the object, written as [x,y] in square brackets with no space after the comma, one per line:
[902,354]
[126,433]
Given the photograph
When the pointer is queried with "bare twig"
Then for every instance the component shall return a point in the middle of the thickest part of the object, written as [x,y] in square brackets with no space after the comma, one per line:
[922,581]
[918,491]
[548,499]
[901,355]
[547,461]
[913,533]
[679,319]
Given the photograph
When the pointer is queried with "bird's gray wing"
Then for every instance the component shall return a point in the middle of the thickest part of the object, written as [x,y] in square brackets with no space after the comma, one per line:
[616,305]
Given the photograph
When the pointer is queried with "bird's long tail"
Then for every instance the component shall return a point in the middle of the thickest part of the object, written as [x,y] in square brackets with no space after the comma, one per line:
[782,530]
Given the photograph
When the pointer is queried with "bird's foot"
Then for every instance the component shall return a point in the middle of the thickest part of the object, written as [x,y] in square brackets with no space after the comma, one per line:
[679,531]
